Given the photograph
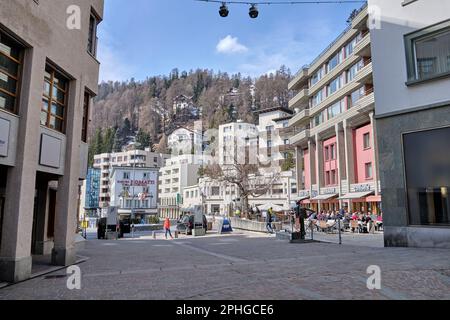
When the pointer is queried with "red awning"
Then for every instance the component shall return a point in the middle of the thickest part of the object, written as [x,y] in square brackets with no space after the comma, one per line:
[373,199]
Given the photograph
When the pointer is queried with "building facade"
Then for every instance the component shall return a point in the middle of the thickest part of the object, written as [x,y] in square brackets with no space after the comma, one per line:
[178,173]
[43,150]
[333,129]
[412,82]
[134,191]
[139,158]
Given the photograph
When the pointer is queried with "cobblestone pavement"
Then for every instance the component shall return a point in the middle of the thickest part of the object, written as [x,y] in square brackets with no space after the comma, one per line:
[243,266]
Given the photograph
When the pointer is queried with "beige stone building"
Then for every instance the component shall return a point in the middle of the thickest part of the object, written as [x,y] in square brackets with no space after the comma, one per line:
[48,75]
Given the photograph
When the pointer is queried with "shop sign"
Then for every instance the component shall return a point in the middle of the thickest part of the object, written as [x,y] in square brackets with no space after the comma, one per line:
[137,183]
[304,193]
[329,191]
[363,187]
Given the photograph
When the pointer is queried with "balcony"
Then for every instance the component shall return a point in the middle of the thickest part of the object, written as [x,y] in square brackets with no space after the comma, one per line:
[362,48]
[300,137]
[364,104]
[333,74]
[300,98]
[299,78]
[365,74]
[302,116]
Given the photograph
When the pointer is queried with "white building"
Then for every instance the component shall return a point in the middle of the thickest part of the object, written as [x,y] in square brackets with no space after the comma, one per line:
[233,139]
[178,173]
[134,190]
[185,140]
[412,109]
[138,158]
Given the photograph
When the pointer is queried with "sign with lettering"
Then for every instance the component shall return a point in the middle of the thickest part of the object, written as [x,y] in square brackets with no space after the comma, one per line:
[329,191]
[314,193]
[304,193]
[363,187]
[4,137]
[137,183]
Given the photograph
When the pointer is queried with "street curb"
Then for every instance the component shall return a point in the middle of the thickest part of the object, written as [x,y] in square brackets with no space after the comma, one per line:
[43,273]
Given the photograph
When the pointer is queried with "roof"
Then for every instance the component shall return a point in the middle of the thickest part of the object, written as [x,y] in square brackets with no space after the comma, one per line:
[267,110]
[282,118]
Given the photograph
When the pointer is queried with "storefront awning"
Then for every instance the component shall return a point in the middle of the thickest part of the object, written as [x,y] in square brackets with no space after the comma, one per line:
[325,196]
[356,195]
[296,199]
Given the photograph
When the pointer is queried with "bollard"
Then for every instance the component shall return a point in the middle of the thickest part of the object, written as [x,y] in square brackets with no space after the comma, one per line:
[154,234]
[176,234]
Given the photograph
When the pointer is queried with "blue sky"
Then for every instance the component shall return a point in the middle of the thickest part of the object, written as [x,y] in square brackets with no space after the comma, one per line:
[141,38]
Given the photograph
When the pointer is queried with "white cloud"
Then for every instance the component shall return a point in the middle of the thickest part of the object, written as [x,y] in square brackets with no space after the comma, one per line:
[284,46]
[113,65]
[229,45]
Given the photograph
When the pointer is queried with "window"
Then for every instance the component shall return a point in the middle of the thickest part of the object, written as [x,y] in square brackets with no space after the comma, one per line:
[333,177]
[426,155]
[85,124]
[334,110]
[286,141]
[334,61]
[215,191]
[327,178]
[327,153]
[354,97]
[318,119]
[369,173]
[428,52]
[10,66]
[366,141]
[269,128]
[126,175]
[317,77]
[353,71]
[317,98]
[92,37]
[350,47]
[54,100]
[334,85]
[333,152]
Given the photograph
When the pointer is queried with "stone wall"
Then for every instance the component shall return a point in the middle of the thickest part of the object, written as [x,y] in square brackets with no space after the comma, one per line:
[251,225]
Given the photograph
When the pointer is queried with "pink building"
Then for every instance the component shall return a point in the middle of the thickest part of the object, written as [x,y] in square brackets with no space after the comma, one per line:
[334,125]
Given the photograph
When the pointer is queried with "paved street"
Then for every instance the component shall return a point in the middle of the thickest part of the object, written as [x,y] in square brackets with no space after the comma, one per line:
[243,266]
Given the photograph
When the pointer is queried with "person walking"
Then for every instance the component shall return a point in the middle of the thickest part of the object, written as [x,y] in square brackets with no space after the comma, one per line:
[269,221]
[167,228]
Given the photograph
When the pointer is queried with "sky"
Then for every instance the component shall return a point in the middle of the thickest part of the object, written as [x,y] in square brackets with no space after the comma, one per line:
[143,38]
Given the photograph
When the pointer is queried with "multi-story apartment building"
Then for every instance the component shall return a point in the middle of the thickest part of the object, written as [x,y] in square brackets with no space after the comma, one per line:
[48,75]
[334,127]
[411,56]
[233,139]
[178,173]
[138,158]
[134,191]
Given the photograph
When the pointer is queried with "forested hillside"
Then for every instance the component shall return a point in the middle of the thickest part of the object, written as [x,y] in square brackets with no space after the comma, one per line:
[123,108]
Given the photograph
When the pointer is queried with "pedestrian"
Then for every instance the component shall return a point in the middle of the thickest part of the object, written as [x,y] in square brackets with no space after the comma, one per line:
[167,228]
[269,221]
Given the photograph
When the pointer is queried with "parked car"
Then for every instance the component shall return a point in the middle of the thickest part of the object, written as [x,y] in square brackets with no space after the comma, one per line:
[102,227]
[186,224]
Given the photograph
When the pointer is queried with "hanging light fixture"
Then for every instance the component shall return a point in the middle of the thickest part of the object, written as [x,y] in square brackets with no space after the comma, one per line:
[224,10]
[253,13]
